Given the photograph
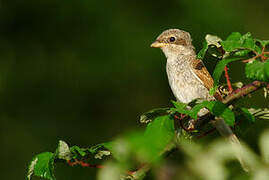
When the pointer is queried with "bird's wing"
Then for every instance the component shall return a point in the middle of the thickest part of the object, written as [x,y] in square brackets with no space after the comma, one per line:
[202,73]
[204,77]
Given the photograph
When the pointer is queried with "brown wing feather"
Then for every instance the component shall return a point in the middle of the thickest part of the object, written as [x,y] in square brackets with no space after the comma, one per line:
[202,73]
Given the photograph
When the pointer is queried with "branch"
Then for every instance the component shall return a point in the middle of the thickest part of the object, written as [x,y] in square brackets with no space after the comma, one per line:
[238,93]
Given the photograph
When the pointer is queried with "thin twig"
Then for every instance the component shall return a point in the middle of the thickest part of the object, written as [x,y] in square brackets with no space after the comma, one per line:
[228,79]
[83,164]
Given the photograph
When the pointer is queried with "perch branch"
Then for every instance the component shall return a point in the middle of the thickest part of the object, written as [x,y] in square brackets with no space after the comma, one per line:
[238,93]
[250,88]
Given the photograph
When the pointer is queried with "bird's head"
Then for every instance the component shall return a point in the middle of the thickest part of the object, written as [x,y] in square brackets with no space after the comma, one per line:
[174,42]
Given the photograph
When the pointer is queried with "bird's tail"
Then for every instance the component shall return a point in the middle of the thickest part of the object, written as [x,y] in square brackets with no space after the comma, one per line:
[226,132]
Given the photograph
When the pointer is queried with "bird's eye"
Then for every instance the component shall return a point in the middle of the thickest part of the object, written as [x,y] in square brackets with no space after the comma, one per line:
[172,39]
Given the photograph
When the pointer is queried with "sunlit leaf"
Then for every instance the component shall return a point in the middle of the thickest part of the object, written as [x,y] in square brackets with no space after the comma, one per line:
[257,70]
[63,151]
[236,42]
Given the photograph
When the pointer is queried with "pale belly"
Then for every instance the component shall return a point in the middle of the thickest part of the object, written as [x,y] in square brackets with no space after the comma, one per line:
[186,87]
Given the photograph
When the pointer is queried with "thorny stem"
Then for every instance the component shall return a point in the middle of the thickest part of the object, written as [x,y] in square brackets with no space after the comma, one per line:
[228,79]
[263,58]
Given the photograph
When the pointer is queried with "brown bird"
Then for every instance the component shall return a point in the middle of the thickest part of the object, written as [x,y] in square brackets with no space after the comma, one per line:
[188,77]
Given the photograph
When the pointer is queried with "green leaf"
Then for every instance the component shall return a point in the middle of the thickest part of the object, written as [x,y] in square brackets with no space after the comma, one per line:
[152,114]
[218,109]
[202,52]
[160,132]
[145,147]
[42,165]
[99,150]
[98,147]
[77,151]
[237,42]
[179,107]
[220,68]
[247,114]
[257,70]
[242,53]
[266,69]
[232,42]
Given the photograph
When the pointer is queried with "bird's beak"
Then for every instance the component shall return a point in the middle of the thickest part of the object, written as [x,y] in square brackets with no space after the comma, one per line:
[157,44]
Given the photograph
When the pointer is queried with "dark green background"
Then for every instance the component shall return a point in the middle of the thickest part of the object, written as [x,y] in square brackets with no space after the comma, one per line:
[82,70]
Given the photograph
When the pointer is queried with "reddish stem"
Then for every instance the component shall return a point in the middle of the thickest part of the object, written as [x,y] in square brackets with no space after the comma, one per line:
[228,79]
[83,164]
[182,116]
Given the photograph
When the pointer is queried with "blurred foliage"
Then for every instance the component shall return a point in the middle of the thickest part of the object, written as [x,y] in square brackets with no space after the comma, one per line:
[142,151]
[83,71]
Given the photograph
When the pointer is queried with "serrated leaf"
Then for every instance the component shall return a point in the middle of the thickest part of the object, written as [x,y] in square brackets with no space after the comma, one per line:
[220,68]
[257,70]
[247,114]
[152,114]
[42,165]
[238,42]
[232,42]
